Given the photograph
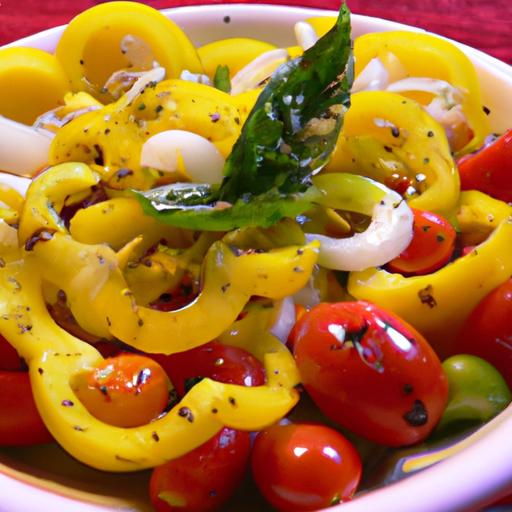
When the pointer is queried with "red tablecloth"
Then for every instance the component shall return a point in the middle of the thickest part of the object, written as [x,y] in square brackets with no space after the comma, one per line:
[483,25]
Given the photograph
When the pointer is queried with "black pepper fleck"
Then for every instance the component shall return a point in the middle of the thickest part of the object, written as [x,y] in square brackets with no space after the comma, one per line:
[226,19]
[67,403]
[430,133]
[155,437]
[185,412]
[486,110]
[426,297]
[224,288]
[408,389]
[395,131]
[417,416]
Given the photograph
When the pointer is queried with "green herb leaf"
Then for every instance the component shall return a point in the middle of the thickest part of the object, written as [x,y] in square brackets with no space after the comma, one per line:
[289,134]
[221,78]
[262,210]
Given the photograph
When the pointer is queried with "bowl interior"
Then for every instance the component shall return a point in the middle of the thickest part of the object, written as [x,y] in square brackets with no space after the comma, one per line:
[46,474]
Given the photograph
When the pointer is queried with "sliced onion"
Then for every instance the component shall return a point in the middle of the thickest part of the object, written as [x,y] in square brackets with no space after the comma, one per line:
[23,149]
[198,78]
[374,77]
[201,160]
[154,75]
[285,319]
[450,94]
[258,70]
[388,234]
[305,34]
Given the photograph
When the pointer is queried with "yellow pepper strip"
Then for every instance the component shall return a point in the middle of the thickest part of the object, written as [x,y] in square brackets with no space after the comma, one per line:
[115,134]
[11,197]
[46,195]
[425,55]
[478,215]
[55,358]
[384,133]
[235,53]
[99,31]
[119,220]
[31,83]
[9,216]
[251,333]
[437,304]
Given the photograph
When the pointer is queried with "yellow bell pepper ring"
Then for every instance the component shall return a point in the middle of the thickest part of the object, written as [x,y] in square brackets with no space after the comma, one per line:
[46,196]
[235,53]
[114,135]
[55,358]
[424,55]
[105,29]
[385,133]
[32,82]
[437,304]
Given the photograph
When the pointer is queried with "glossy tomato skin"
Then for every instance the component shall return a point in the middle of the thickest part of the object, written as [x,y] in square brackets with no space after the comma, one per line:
[20,422]
[487,332]
[431,247]
[203,479]
[371,372]
[9,358]
[127,390]
[302,467]
[223,363]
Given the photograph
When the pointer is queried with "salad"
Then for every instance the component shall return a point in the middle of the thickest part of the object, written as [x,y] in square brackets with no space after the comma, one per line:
[241,258]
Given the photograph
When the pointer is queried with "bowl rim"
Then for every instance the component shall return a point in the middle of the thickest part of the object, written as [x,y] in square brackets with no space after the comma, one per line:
[430,490]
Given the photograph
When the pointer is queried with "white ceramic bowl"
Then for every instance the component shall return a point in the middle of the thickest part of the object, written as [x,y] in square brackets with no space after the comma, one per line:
[471,478]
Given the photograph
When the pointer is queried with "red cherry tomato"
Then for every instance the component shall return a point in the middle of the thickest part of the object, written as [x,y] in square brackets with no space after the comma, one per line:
[214,360]
[487,332]
[490,169]
[431,247]
[127,390]
[9,358]
[20,423]
[304,467]
[371,372]
[398,182]
[203,479]
[300,311]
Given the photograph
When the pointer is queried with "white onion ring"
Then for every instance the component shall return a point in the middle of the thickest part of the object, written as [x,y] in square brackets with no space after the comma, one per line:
[285,319]
[202,160]
[389,233]
[23,149]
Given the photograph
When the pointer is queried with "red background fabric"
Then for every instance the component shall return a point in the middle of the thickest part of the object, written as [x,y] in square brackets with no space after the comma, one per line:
[483,25]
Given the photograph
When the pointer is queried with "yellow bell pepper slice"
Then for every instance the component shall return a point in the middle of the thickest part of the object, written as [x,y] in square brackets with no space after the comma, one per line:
[32,82]
[46,195]
[116,133]
[478,215]
[55,358]
[425,55]
[437,304]
[235,53]
[119,220]
[251,333]
[384,133]
[90,47]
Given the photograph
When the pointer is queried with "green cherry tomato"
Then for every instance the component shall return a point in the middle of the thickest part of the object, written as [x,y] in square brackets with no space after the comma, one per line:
[477,391]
